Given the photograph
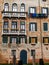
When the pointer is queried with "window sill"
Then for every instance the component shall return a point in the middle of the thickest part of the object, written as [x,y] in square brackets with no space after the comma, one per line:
[32,31]
[33,43]
[46,43]
[45,31]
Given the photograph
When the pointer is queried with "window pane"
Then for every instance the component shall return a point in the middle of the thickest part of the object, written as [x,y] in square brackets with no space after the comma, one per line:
[6,7]
[32,10]
[5,25]
[14,7]
[22,8]
[22,25]
[32,52]
[14,25]
[14,39]
[33,26]
[22,40]
[13,52]
[44,10]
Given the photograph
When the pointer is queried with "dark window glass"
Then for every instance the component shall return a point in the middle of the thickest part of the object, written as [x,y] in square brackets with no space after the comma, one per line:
[44,0]
[45,26]
[33,53]
[5,39]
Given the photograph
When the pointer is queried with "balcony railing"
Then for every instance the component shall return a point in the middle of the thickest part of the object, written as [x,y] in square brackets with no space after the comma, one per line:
[13,31]
[35,15]
[14,14]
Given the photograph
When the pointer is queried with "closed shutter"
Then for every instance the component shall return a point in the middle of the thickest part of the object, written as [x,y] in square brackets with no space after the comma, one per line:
[45,26]
[32,40]
[5,39]
[10,39]
[17,40]
[29,39]
[25,39]
[35,26]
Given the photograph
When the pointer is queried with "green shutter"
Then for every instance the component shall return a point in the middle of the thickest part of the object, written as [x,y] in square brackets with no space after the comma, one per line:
[17,40]
[5,39]
[10,39]
[45,26]
[35,26]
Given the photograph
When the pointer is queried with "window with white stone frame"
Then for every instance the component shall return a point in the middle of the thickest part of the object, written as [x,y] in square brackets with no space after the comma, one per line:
[6,7]
[22,9]
[14,7]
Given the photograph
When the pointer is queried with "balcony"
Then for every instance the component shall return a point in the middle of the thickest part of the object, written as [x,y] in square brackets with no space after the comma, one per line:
[10,14]
[22,31]
[13,32]
[38,15]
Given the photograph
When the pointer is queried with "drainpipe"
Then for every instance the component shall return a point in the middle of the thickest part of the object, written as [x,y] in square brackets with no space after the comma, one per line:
[40,32]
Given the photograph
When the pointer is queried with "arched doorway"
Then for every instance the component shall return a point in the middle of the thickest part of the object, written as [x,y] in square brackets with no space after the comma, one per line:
[23,56]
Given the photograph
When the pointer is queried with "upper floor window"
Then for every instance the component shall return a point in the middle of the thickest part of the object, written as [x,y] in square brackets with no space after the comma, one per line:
[6,7]
[32,10]
[22,7]
[45,10]
[13,39]
[5,24]
[14,25]
[22,39]
[33,26]
[14,7]
[22,26]
[5,39]
[45,26]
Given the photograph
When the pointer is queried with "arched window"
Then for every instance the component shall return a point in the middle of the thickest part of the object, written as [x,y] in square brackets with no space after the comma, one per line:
[22,7]
[14,7]
[6,7]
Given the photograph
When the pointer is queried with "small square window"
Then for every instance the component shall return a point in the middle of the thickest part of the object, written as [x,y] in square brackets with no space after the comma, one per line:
[45,39]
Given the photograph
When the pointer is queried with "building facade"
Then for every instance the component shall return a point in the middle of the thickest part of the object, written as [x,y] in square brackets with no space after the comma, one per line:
[24,30]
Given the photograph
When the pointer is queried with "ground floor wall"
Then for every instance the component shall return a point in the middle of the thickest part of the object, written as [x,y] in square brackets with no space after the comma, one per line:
[24,51]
